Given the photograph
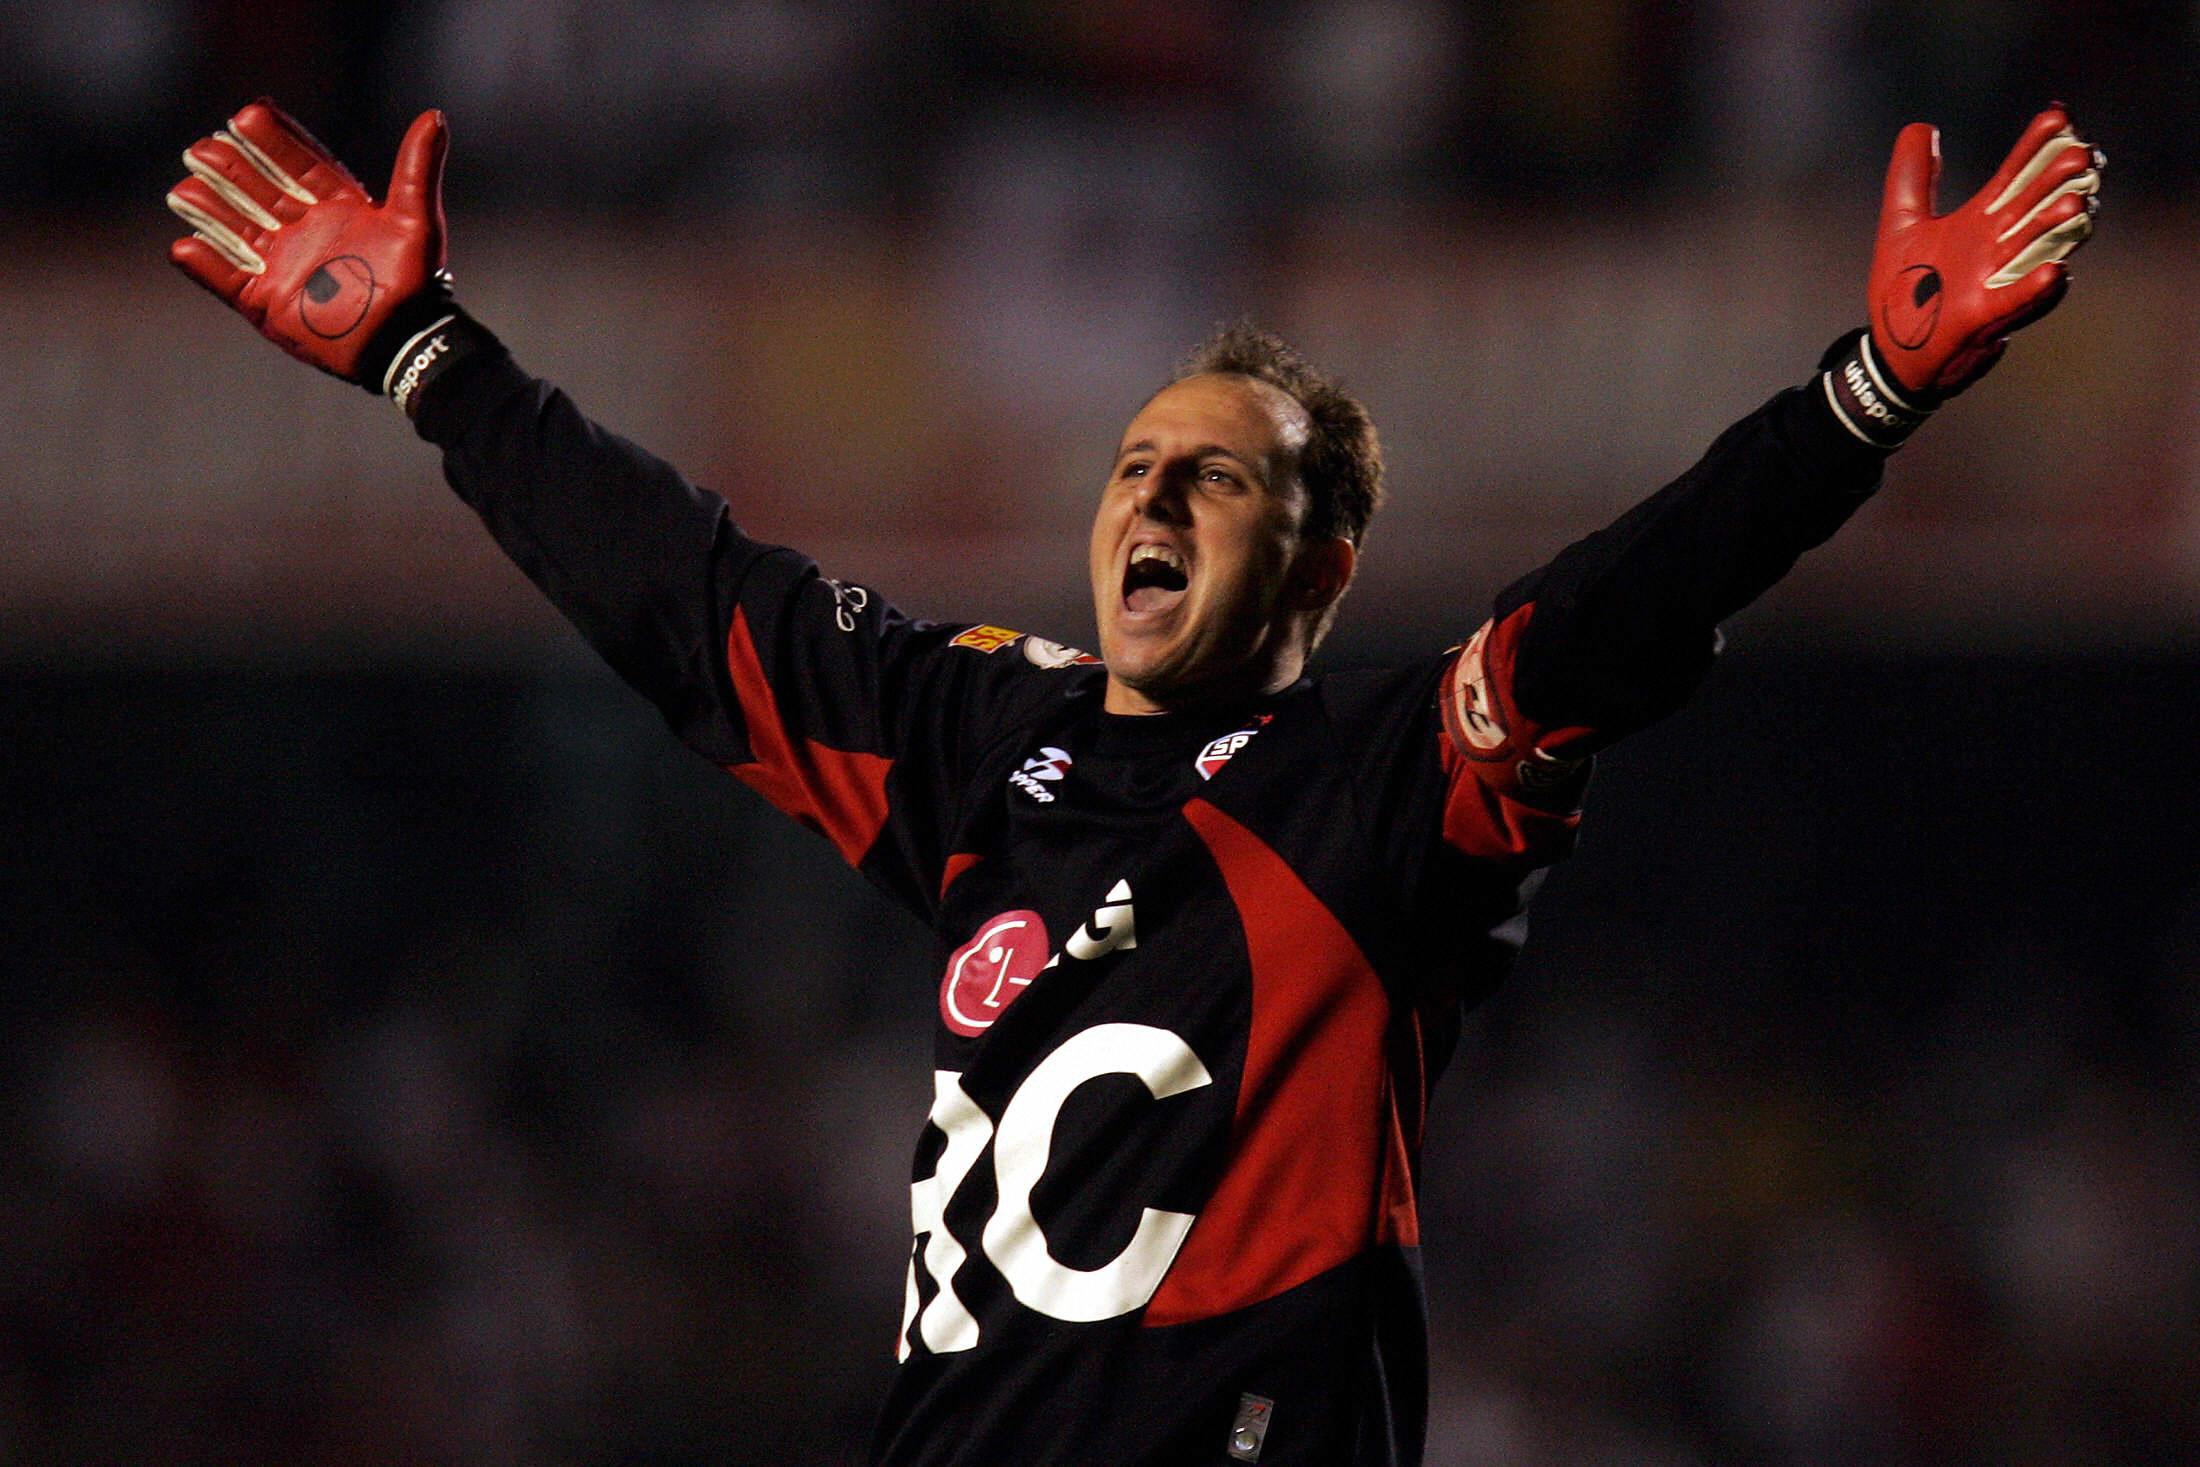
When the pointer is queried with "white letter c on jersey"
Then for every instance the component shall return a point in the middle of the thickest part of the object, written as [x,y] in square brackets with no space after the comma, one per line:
[1012,1236]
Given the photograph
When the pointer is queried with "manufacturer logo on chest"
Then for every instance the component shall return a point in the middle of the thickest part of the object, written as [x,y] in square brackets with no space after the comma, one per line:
[1040,770]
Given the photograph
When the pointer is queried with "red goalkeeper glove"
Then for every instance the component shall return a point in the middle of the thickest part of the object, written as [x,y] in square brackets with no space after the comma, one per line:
[287,237]
[1948,289]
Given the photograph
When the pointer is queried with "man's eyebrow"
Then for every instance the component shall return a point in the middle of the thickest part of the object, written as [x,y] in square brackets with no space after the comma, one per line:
[1205,450]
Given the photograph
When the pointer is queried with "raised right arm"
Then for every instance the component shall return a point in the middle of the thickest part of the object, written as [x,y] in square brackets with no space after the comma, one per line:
[810,690]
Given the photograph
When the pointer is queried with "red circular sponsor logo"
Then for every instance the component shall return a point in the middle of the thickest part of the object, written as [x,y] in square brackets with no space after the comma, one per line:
[985,974]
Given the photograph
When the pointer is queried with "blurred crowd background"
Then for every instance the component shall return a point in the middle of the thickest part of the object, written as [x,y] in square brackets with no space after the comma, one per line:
[414,1057]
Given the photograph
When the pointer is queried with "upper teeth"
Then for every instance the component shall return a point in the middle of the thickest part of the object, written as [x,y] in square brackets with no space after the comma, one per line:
[1162,553]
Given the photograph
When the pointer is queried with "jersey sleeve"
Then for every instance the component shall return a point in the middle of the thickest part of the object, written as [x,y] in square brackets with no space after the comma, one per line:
[1457,848]
[1482,755]
[1619,628]
[843,713]
[1440,759]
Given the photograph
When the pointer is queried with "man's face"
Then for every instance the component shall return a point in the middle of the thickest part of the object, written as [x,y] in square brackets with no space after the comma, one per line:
[1191,547]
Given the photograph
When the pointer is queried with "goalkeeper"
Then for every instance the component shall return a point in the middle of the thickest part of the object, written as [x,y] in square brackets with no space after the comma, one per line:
[1206,921]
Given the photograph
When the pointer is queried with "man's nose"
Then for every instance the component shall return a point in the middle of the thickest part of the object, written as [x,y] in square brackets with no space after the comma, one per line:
[1161,494]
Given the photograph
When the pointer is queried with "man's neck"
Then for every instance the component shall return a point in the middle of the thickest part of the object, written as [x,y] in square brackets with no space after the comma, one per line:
[1121,697]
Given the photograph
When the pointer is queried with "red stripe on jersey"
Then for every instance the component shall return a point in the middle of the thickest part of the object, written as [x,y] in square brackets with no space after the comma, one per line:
[834,791]
[957,864]
[1306,1186]
[1514,787]
[1399,1220]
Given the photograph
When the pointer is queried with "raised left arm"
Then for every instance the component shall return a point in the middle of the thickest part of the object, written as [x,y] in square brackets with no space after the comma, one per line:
[1617,629]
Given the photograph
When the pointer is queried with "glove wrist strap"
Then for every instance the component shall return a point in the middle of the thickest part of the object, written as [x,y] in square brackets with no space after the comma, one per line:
[1865,397]
[427,338]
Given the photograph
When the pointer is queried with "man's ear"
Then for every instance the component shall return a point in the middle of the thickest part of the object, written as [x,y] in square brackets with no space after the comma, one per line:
[1320,573]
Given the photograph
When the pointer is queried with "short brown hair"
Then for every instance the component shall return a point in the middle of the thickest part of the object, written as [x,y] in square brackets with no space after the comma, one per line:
[1342,463]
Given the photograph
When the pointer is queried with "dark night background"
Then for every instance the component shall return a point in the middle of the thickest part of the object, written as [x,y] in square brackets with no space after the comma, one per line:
[416,1056]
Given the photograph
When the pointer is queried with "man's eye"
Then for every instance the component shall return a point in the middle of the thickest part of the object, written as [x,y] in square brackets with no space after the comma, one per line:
[1134,471]
[1221,478]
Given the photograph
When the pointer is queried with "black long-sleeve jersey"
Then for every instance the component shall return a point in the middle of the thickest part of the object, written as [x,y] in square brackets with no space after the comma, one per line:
[1197,972]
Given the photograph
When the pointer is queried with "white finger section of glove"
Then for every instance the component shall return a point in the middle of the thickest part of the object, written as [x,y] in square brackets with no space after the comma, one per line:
[2053,244]
[231,195]
[2056,244]
[226,241]
[2088,182]
[268,168]
[2034,167]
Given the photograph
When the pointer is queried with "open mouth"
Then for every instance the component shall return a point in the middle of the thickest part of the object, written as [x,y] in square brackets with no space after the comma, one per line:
[1154,580]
